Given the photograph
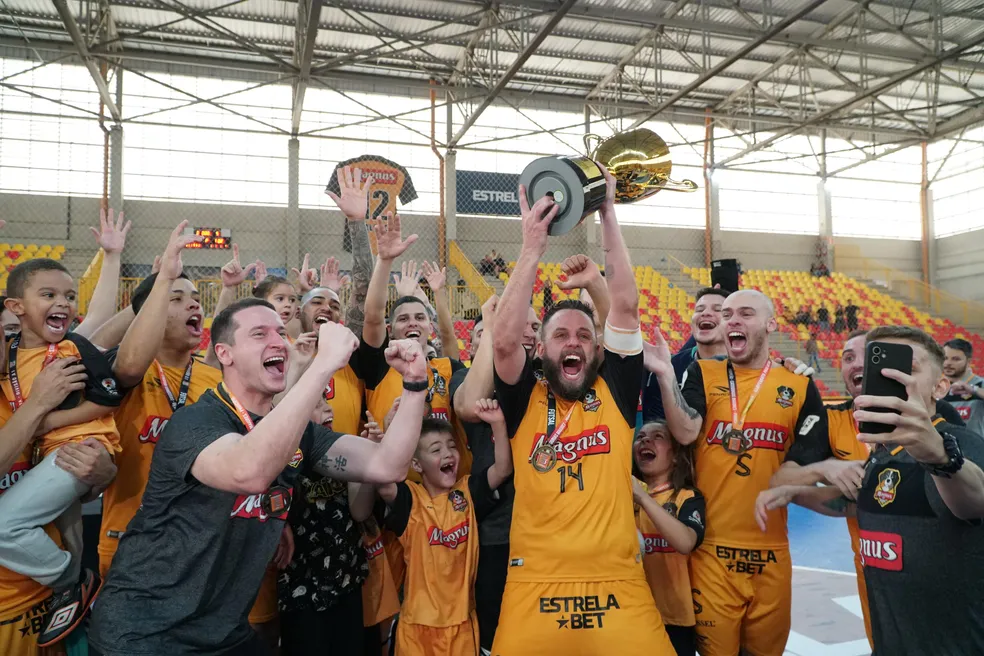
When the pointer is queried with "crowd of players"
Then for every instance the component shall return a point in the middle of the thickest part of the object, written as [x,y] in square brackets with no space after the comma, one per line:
[320,484]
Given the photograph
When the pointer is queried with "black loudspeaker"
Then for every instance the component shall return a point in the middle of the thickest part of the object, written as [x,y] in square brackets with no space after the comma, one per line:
[725,273]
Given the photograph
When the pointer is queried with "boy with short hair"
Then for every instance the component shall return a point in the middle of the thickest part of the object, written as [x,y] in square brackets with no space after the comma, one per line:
[41,293]
[435,520]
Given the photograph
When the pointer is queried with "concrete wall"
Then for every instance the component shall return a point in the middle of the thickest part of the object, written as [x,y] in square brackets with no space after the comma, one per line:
[960,264]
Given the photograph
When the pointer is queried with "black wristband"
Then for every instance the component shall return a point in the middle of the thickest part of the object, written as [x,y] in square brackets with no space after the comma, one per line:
[418,386]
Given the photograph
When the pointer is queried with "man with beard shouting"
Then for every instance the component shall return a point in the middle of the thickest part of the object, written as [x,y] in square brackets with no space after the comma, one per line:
[575,582]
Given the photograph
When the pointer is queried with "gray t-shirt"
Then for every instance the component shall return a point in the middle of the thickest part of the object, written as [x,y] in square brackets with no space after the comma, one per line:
[493,528]
[923,567]
[971,410]
[190,564]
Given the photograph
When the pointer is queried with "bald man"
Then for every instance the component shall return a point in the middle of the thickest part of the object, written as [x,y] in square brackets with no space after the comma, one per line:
[748,419]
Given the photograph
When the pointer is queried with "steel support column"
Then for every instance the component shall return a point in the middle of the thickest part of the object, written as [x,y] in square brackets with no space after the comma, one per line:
[926,215]
[308,17]
[76,35]
[292,218]
[116,153]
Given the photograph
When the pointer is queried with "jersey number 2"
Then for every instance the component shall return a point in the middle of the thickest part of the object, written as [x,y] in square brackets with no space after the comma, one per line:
[568,472]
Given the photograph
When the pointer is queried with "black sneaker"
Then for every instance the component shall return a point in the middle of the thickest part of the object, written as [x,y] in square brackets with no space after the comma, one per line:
[67,609]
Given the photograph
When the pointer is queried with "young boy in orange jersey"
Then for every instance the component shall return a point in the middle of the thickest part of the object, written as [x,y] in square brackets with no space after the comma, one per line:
[41,293]
[435,519]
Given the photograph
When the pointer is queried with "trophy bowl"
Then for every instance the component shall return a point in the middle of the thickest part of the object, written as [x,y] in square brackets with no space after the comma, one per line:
[639,160]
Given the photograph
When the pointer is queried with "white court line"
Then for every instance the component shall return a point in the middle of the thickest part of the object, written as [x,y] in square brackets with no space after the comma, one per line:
[850,604]
[825,571]
[800,645]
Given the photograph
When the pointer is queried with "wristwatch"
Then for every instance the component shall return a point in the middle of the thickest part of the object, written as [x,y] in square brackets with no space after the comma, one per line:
[954,455]
[415,386]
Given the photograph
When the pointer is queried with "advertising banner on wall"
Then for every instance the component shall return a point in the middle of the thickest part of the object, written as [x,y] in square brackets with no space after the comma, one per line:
[481,192]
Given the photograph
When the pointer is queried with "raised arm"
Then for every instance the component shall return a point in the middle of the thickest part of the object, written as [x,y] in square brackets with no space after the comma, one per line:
[102,306]
[353,458]
[683,419]
[488,410]
[513,308]
[479,383]
[437,280]
[110,334]
[362,496]
[390,245]
[620,278]
[233,274]
[50,388]
[248,464]
[143,339]
[581,272]
[354,204]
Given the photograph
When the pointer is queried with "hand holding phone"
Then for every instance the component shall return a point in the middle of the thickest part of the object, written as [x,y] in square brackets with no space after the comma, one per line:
[877,357]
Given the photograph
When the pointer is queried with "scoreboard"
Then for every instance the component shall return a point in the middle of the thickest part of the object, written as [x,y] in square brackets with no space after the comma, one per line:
[212,238]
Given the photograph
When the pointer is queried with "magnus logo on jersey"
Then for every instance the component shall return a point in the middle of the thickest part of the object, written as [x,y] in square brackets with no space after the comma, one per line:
[571,449]
[881,550]
[440,413]
[374,548]
[250,506]
[330,389]
[152,429]
[14,474]
[450,538]
[656,544]
[761,435]
[579,612]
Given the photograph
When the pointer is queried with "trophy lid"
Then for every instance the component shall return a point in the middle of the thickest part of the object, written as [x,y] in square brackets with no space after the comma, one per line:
[576,183]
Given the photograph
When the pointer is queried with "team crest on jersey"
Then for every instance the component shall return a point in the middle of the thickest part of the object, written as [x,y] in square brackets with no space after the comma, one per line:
[330,389]
[440,385]
[458,500]
[109,384]
[888,483]
[591,402]
[695,518]
[538,374]
[784,396]
[964,412]
[296,459]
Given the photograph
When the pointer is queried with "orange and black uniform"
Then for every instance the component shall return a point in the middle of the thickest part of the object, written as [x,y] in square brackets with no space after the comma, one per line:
[23,600]
[440,547]
[380,600]
[141,419]
[845,446]
[576,584]
[742,577]
[667,569]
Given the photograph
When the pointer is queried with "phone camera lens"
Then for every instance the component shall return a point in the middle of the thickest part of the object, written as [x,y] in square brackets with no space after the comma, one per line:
[875,360]
[876,350]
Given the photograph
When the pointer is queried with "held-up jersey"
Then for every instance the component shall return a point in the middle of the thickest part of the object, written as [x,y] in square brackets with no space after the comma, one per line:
[971,408]
[787,421]
[667,569]
[100,388]
[380,600]
[141,419]
[440,545]
[575,522]
[344,393]
[924,567]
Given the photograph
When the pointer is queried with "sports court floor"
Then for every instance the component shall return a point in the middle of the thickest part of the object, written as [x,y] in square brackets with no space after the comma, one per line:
[826,608]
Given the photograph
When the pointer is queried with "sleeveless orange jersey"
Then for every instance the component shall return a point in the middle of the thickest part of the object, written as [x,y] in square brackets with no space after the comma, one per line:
[575,521]
[440,545]
[100,388]
[141,419]
[787,420]
[845,446]
[344,392]
[667,569]
[380,600]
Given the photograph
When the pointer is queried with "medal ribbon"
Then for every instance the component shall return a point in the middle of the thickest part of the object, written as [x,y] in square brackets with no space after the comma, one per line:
[185,383]
[554,431]
[12,368]
[660,488]
[737,423]
[240,410]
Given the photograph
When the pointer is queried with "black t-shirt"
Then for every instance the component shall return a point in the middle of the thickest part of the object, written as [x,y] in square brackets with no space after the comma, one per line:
[191,561]
[493,529]
[329,557]
[923,567]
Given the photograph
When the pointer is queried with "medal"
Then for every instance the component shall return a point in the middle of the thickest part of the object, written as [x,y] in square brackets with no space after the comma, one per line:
[734,441]
[276,501]
[544,458]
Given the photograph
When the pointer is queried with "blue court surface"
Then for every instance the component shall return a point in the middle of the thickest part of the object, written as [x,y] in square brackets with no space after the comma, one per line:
[826,608]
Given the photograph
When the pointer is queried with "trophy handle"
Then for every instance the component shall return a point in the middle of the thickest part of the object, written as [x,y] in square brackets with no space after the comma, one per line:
[681,185]
[587,144]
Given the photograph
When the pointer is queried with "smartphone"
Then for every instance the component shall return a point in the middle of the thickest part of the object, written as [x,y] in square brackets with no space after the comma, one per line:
[879,356]
[725,273]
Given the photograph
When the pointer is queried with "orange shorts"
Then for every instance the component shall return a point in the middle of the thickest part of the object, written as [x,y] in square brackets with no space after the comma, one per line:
[19,635]
[742,599]
[265,607]
[606,617]
[419,640]
[863,594]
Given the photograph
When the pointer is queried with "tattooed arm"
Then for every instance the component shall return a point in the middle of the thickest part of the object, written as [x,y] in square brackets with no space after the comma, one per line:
[684,408]
[362,265]
[623,293]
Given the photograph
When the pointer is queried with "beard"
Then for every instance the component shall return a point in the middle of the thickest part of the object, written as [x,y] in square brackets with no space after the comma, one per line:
[566,389]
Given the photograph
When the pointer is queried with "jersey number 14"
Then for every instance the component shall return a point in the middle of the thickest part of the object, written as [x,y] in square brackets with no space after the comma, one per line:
[568,472]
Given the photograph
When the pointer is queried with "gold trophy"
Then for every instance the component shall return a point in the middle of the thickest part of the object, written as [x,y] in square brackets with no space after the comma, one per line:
[638,159]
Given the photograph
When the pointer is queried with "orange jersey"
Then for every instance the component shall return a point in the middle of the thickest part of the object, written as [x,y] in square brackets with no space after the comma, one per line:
[380,600]
[786,421]
[19,593]
[141,419]
[440,546]
[100,388]
[667,569]
[384,385]
[573,515]
[344,394]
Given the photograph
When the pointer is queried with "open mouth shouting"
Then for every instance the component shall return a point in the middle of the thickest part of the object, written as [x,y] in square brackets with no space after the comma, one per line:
[413,333]
[737,342]
[646,455]
[450,469]
[857,379]
[57,323]
[571,365]
[194,324]
[706,325]
[276,365]
[286,315]
[321,318]
[528,344]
